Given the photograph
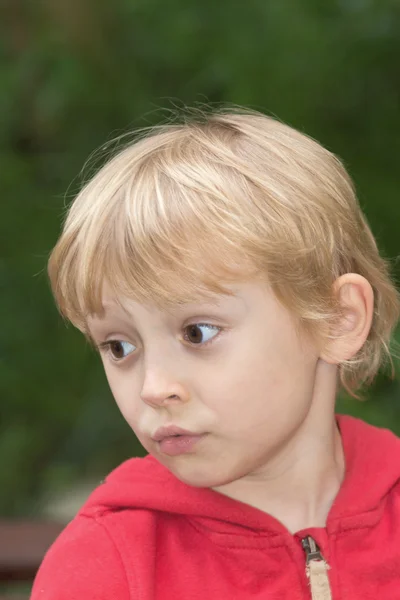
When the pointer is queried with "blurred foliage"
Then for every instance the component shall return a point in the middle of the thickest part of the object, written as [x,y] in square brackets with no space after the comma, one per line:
[74,74]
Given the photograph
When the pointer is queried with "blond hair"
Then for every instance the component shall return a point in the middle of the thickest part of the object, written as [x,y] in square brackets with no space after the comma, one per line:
[230,195]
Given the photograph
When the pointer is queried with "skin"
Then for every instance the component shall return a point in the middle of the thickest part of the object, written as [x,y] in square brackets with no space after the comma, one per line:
[263,392]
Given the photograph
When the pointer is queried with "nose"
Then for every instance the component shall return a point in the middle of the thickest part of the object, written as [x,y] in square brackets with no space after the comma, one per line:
[160,387]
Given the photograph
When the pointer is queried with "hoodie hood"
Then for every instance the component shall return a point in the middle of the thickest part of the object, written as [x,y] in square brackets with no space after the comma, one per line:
[144,534]
[372,458]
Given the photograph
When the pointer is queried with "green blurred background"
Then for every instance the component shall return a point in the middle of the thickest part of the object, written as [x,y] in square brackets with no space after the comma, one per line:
[76,73]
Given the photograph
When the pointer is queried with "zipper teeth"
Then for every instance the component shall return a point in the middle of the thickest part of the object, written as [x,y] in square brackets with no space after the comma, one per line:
[313,545]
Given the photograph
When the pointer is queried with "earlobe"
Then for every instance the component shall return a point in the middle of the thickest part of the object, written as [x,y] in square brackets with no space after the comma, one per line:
[356,299]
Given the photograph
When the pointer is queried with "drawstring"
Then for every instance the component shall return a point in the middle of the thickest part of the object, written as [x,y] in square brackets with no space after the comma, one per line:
[316,570]
[317,573]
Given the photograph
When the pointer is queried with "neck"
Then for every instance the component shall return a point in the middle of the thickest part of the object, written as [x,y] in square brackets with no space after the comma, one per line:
[299,484]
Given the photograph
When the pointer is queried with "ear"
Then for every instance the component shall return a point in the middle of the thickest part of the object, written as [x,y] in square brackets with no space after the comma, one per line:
[356,297]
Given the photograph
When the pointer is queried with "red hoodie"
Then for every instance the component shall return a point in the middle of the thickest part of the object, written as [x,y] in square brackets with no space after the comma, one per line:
[145,535]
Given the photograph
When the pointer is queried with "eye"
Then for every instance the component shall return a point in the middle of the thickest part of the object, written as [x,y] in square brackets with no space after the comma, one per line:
[118,349]
[200,333]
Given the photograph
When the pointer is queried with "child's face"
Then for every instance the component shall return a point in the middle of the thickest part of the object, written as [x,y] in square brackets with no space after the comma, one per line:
[248,389]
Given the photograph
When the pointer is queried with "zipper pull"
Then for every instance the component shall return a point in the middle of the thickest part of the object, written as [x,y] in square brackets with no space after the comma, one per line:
[316,570]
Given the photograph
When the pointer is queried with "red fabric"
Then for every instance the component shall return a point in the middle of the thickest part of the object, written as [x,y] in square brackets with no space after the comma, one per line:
[144,535]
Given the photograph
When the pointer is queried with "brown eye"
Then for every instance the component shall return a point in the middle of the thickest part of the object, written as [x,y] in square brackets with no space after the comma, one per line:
[120,349]
[200,333]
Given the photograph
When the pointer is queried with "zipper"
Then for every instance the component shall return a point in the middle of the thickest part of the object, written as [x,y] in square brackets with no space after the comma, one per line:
[316,570]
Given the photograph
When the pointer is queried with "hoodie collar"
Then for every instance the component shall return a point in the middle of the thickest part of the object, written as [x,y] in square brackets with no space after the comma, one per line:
[372,458]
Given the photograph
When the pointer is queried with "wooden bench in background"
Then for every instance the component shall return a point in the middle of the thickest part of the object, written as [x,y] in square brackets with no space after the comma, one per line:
[22,547]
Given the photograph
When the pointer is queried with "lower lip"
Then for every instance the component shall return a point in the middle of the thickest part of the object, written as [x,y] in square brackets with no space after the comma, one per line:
[173,446]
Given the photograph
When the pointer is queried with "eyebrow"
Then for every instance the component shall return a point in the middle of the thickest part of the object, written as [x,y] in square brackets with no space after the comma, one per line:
[99,323]
[215,301]
[110,304]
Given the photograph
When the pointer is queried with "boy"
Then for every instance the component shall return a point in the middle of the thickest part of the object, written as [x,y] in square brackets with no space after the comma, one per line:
[225,272]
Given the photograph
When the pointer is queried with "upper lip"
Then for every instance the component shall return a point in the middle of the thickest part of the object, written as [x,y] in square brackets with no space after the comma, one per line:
[170,430]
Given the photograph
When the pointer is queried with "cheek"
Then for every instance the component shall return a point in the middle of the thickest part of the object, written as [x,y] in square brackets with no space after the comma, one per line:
[264,380]
[125,395]
[257,366]
[240,391]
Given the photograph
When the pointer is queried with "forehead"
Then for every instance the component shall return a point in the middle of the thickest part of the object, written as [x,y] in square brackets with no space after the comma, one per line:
[112,302]
[127,311]
[170,290]
[252,296]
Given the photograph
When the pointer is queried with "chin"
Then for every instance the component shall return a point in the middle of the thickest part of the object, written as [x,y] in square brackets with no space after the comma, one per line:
[201,476]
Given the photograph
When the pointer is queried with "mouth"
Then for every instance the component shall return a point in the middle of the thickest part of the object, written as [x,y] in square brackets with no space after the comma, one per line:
[172,431]
[174,445]
[174,441]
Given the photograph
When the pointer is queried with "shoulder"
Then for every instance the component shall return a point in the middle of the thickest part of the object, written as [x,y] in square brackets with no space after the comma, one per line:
[82,563]
[371,453]
[85,561]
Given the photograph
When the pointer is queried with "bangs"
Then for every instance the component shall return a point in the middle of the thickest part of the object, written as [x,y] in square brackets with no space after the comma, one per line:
[158,240]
